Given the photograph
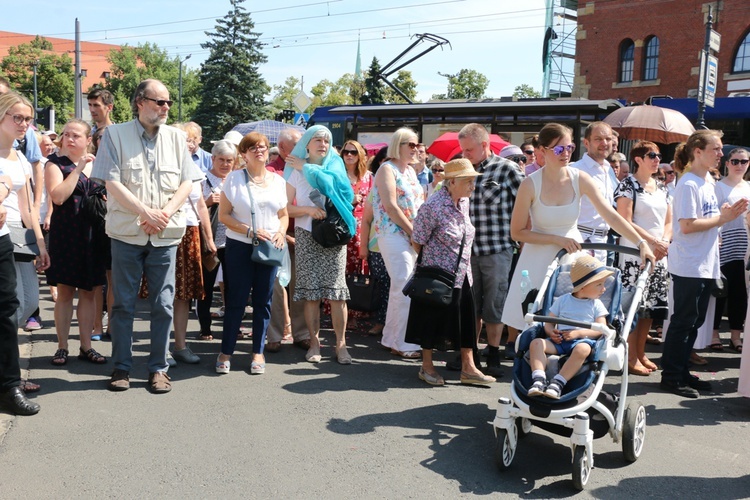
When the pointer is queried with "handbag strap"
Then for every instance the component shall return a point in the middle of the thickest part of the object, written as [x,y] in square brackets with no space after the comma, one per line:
[252,206]
[460,254]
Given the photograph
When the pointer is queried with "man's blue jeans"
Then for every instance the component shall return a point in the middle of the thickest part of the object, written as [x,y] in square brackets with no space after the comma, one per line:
[129,263]
[691,297]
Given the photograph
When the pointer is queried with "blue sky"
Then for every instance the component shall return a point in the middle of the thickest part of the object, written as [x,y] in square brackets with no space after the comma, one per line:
[317,40]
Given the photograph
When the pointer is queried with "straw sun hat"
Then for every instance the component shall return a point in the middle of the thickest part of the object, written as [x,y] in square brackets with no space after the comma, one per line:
[585,270]
[459,168]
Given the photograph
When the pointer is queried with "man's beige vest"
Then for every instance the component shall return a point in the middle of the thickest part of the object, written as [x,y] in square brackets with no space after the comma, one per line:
[154,189]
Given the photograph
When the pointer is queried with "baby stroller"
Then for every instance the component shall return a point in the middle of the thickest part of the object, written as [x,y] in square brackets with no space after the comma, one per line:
[584,411]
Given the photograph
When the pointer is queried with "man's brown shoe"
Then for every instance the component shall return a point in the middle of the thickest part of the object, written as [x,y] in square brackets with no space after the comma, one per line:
[273,347]
[120,381]
[303,344]
[159,383]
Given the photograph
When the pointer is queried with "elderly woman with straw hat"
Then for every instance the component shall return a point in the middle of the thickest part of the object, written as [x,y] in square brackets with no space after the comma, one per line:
[443,236]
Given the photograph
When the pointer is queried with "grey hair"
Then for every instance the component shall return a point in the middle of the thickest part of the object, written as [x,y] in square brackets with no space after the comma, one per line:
[289,135]
[223,147]
[139,94]
[476,132]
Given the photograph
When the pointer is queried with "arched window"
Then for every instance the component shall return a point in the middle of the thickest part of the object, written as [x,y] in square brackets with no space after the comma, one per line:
[742,59]
[627,57]
[651,59]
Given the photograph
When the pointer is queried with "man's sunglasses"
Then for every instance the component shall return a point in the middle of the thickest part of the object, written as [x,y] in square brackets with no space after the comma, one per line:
[558,150]
[518,159]
[733,161]
[529,152]
[160,102]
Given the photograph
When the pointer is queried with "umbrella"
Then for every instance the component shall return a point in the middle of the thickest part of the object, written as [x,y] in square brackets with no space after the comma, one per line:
[269,128]
[372,149]
[446,146]
[650,123]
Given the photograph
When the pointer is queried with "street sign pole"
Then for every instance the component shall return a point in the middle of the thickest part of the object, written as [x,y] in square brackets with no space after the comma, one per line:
[703,79]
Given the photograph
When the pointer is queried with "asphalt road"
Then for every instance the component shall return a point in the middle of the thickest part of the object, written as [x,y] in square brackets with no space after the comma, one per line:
[369,430]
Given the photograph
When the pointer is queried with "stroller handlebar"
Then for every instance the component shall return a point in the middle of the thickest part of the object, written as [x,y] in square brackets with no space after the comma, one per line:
[599,327]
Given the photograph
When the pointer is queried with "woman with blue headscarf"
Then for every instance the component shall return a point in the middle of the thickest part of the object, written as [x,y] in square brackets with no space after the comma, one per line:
[315,168]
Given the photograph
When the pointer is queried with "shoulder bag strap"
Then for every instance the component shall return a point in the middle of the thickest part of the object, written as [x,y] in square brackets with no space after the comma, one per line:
[252,205]
[460,253]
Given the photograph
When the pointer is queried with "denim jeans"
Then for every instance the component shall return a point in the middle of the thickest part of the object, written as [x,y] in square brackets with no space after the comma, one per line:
[10,371]
[241,275]
[691,296]
[129,263]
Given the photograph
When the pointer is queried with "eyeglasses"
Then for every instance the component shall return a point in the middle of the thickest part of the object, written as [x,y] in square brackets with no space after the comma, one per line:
[412,145]
[733,161]
[352,152]
[651,155]
[257,147]
[19,119]
[160,102]
[670,172]
[529,152]
[558,150]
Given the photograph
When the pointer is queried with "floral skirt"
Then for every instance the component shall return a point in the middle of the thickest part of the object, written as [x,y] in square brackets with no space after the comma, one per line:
[320,271]
[188,272]
[655,301]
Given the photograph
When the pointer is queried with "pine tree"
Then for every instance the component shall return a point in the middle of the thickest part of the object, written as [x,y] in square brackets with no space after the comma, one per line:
[374,91]
[233,89]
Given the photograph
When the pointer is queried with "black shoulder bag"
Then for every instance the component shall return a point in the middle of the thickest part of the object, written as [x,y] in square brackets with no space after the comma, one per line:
[433,285]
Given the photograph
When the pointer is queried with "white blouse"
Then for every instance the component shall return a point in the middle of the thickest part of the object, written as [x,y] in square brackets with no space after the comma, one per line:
[268,201]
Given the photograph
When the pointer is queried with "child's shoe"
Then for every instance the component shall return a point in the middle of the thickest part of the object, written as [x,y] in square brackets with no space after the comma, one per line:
[537,387]
[554,389]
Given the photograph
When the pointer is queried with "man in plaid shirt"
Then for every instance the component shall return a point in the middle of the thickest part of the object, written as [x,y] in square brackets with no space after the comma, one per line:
[490,210]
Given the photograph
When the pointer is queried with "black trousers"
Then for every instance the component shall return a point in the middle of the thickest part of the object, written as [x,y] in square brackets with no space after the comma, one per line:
[204,306]
[736,300]
[10,370]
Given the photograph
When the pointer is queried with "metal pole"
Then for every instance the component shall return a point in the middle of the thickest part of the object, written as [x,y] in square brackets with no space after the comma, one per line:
[179,87]
[36,102]
[78,100]
[700,123]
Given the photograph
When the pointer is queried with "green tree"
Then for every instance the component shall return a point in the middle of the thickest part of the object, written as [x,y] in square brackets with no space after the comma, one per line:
[328,93]
[466,84]
[131,65]
[374,91]
[525,91]
[233,89]
[405,84]
[283,97]
[55,84]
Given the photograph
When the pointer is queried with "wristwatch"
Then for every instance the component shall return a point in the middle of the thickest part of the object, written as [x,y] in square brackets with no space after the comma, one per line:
[6,186]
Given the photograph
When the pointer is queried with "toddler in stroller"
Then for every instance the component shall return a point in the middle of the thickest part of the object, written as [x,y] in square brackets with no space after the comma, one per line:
[587,276]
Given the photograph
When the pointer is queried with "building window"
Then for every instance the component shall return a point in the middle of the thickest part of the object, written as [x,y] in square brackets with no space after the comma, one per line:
[651,61]
[742,59]
[627,56]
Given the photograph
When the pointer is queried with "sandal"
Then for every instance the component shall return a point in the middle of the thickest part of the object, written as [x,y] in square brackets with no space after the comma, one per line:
[60,358]
[407,354]
[205,336]
[375,330]
[697,360]
[716,345]
[92,356]
[28,386]
[735,347]
[653,340]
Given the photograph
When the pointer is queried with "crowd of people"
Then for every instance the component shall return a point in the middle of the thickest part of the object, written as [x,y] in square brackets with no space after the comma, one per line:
[286,228]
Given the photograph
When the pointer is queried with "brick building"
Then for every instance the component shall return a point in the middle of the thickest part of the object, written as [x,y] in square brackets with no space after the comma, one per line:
[635,49]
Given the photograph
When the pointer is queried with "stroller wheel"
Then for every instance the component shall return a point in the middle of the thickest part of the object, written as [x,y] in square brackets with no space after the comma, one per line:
[581,467]
[504,449]
[525,428]
[633,431]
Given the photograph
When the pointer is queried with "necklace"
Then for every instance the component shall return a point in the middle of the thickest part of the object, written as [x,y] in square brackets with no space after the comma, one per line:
[261,182]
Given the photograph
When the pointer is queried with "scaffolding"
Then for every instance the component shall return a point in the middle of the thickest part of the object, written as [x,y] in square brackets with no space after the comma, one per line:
[559,48]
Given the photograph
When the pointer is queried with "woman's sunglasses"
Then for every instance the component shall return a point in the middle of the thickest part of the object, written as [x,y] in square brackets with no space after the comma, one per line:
[352,152]
[558,150]
[737,161]
[651,155]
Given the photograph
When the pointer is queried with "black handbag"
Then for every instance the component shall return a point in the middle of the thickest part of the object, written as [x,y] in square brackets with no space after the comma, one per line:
[433,285]
[331,231]
[264,251]
[364,291]
[720,289]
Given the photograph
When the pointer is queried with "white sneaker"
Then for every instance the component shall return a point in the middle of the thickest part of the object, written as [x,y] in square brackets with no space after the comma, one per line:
[537,388]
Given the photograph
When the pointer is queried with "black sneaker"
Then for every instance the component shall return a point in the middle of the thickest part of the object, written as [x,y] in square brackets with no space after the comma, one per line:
[510,351]
[493,368]
[679,388]
[698,384]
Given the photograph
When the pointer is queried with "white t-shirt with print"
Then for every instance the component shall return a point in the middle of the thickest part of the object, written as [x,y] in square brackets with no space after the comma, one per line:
[694,255]
[268,201]
[303,189]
